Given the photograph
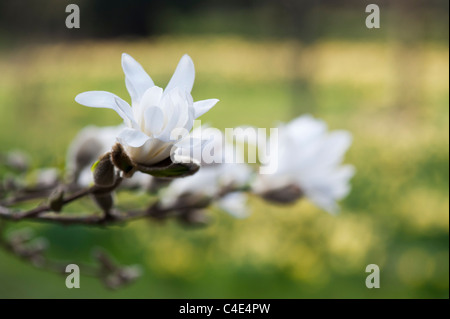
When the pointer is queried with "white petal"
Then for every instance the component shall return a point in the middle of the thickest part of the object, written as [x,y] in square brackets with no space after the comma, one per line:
[326,203]
[339,142]
[191,147]
[183,76]
[172,113]
[190,142]
[125,109]
[100,99]
[89,144]
[235,204]
[153,151]
[154,120]
[340,179]
[303,129]
[201,107]
[152,96]
[190,119]
[183,108]
[85,178]
[133,138]
[236,174]
[136,79]
[103,99]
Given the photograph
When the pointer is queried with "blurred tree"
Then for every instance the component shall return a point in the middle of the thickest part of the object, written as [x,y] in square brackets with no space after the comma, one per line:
[302,19]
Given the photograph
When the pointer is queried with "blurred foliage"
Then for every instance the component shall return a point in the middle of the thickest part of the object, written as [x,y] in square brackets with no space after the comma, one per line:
[392,95]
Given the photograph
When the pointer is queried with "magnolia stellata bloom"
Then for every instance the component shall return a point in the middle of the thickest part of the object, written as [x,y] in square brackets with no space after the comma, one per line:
[217,172]
[47,177]
[157,119]
[309,164]
[86,148]
[235,204]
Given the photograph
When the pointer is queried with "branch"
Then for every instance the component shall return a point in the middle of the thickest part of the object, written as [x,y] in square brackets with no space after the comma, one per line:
[187,208]
[45,213]
[7,213]
[109,272]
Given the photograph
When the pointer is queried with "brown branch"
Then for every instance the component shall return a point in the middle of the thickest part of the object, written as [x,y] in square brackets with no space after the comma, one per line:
[113,217]
[44,213]
[108,271]
[112,274]
[7,213]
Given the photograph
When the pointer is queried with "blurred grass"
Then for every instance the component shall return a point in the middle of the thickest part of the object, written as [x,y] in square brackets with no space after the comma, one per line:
[396,216]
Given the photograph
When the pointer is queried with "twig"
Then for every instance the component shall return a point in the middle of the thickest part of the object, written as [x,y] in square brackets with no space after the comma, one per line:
[8,214]
[109,272]
[155,210]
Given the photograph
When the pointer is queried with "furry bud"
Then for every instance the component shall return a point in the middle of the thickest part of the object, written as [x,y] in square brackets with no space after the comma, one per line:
[121,160]
[104,200]
[284,195]
[104,174]
[56,200]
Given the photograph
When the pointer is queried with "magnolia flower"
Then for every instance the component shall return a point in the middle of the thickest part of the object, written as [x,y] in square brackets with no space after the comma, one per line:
[86,148]
[47,177]
[309,164]
[217,172]
[234,204]
[157,119]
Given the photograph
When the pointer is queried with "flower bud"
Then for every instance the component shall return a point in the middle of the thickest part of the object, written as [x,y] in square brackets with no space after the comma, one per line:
[47,177]
[104,174]
[86,153]
[20,236]
[104,200]
[157,183]
[56,200]
[121,160]
[17,160]
[284,195]
[130,273]
[194,217]
[179,166]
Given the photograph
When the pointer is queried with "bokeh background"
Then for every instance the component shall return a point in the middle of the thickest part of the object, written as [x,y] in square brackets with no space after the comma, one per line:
[267,61]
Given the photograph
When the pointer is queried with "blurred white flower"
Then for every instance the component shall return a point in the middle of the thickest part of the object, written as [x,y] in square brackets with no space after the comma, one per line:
[214,176]
[309,164]
[47,177]
[86,148]
[88,145]
[235,204]
[158,119]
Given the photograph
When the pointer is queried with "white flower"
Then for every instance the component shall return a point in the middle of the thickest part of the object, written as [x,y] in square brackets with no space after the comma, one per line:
[158,119]
[235,204]
[216,174]
[47,177]
[85,149]
[89,143]
[310,157]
